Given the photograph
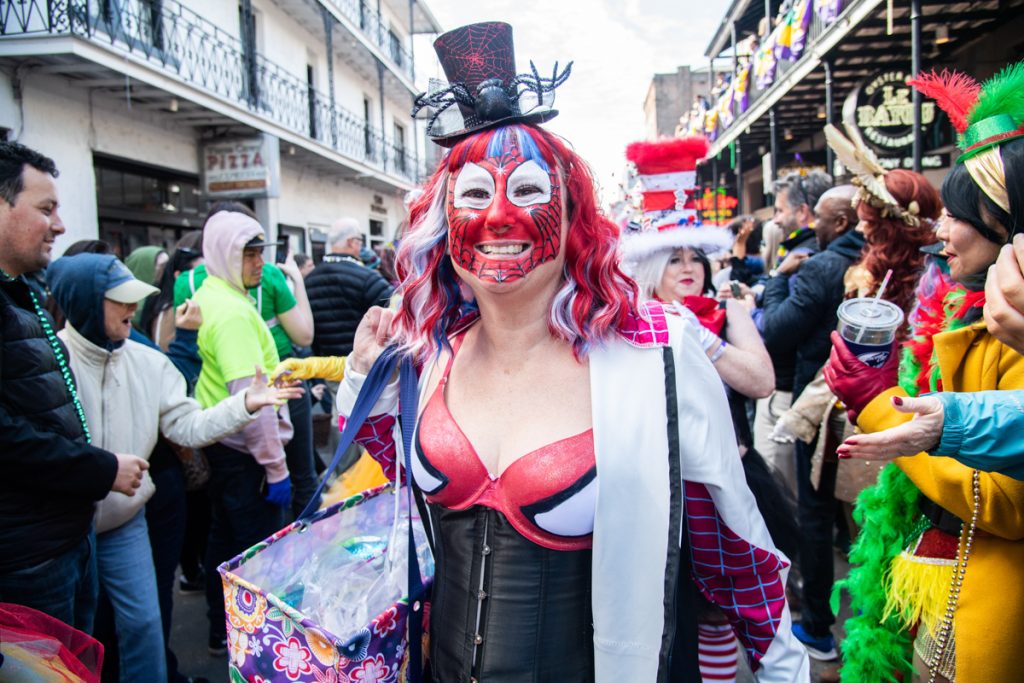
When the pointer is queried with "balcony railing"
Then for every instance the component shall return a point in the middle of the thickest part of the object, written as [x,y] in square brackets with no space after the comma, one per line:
[176,40]
[370,22]
[775,59]
[783,66]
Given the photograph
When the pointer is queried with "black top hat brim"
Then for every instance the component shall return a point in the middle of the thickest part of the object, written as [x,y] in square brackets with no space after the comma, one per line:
[533,117]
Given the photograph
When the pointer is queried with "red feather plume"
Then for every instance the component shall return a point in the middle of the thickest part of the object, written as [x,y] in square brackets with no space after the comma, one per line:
[667,156]
[954,92]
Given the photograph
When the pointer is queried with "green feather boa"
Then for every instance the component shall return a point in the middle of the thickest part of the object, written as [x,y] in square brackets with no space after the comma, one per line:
[877,649]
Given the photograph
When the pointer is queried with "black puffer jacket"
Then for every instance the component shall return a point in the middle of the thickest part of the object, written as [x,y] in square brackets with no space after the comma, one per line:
[800,311]
[49,476]
[784,356]
[340,292]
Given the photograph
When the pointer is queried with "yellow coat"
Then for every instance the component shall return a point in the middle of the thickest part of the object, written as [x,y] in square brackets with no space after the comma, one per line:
[989,617]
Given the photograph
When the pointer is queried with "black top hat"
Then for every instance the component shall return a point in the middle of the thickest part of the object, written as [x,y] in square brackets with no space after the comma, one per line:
[479,62]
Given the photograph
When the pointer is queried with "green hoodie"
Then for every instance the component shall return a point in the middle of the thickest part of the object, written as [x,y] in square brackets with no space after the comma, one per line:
[142,263]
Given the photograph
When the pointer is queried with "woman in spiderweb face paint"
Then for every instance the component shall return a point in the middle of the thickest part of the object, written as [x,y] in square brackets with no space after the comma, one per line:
[505,212]
[563,430]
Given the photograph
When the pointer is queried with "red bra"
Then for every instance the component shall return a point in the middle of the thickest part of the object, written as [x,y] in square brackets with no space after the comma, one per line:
[548,495]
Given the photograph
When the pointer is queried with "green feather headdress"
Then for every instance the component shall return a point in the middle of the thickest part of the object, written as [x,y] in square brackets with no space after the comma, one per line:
[985,116]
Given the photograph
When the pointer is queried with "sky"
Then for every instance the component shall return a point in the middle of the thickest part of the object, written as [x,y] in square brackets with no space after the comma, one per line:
[616,45]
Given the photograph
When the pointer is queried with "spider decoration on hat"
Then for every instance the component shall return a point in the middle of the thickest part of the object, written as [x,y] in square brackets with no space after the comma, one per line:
[493,99]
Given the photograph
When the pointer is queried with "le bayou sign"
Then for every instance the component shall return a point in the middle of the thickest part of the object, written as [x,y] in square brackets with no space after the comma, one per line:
[243,167]
[882,108]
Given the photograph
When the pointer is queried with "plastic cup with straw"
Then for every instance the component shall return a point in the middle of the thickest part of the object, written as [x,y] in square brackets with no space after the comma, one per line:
[868,325]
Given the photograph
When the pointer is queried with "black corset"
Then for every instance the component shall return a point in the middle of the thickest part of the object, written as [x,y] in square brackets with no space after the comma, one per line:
[504,609]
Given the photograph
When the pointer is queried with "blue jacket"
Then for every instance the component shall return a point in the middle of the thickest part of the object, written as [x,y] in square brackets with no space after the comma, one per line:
[984,430]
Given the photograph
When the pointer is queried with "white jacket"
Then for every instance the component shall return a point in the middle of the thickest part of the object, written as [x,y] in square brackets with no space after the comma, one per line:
[132,394]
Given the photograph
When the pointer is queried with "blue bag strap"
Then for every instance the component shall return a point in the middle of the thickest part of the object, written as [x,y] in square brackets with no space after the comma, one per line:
[376,380]
[408,401]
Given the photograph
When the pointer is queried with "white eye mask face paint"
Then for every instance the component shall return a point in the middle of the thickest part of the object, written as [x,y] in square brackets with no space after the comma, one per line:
[504,217]
[529,184]
[474,188]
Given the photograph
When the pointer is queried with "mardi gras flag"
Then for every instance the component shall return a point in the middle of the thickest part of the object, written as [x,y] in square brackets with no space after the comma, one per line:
[801,22]
[696,125]
[784,36]
[742,93]
[765,62]
[828,10]
[711,124]
[725,115]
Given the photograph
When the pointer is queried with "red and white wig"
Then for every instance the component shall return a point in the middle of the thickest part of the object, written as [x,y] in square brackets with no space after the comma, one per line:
[595,297]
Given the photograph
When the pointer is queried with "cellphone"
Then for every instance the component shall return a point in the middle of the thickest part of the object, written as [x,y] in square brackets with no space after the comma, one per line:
[734,285]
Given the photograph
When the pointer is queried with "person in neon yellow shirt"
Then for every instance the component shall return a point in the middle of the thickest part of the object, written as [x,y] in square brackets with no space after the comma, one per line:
[249,481]
[281,300]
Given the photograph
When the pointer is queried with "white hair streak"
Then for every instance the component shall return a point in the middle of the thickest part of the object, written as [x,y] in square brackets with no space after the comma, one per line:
[419,240]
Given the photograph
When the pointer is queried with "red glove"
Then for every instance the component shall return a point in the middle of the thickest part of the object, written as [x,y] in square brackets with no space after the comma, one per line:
[855,383]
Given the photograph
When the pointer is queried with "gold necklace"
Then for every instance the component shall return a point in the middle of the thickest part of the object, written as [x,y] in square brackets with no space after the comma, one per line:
[959,570]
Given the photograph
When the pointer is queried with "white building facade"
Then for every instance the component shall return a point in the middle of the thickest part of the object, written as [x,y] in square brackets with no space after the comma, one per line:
[154,108]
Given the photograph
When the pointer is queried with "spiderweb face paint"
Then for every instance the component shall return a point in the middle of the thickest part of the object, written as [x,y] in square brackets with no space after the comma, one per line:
[504,216]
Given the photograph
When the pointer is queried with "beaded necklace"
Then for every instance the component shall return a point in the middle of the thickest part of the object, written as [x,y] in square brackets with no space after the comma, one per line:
[58,352]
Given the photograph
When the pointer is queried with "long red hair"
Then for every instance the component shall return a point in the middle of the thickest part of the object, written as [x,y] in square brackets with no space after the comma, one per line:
[891,243]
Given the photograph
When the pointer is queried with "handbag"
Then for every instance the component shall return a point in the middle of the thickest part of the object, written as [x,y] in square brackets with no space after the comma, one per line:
[339,594]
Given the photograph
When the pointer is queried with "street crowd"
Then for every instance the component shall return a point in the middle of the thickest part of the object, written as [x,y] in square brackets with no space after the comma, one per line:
[638,446]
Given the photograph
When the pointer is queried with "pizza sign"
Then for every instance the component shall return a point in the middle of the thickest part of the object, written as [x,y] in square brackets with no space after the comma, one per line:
[246,167]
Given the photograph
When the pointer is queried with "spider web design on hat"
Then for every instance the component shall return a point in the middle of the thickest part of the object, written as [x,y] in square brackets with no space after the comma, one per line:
[479,63]
[478,51]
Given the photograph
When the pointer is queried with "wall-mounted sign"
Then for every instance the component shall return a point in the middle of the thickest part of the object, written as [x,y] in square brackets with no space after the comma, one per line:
[716,208]
[927,161]
[883,110]
[244,167]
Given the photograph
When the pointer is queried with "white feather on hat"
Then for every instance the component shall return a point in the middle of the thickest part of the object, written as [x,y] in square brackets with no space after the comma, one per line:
[868,173]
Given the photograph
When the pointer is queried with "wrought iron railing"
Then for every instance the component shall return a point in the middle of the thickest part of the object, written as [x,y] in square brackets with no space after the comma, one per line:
[175,39]
[783,66]
[370,22]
